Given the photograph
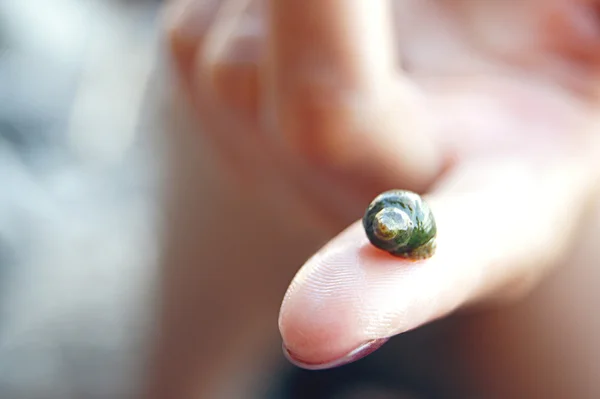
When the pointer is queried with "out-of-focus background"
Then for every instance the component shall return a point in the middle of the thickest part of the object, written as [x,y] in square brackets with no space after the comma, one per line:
[78,196]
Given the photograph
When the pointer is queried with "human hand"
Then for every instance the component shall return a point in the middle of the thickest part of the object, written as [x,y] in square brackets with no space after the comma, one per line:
[499,133]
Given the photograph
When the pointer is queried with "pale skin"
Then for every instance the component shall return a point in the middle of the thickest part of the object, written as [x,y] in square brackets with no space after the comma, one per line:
[488,108]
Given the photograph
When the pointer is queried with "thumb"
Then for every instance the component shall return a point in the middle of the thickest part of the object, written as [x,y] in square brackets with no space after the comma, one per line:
[502,225]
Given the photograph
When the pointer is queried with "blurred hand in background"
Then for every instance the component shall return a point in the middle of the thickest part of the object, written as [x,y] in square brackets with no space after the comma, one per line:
[313,108]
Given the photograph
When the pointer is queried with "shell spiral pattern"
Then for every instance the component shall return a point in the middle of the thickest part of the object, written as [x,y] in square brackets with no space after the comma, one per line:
[401,223]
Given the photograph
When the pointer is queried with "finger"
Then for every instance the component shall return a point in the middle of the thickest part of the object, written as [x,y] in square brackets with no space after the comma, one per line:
[200,32]
[502,225]
[234,72]
[235,76]
[335,94]
[187,23]
[574,30]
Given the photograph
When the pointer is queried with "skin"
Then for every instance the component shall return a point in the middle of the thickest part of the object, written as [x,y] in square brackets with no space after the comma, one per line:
[308,113]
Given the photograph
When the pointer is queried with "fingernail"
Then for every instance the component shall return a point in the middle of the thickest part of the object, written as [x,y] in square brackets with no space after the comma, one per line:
[362,351]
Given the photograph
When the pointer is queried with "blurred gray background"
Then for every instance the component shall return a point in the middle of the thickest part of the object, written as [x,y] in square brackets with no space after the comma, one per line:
[78,195]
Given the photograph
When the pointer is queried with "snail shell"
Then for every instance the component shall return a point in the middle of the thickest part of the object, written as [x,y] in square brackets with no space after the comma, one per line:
[401,223]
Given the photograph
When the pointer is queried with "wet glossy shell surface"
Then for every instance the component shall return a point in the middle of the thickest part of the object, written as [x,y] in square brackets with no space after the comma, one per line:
[401,223]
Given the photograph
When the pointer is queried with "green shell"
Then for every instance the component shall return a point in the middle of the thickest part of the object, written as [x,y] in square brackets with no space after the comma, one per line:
[401,223]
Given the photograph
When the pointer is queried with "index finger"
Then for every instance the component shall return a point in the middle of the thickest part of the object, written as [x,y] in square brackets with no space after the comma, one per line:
[501,228]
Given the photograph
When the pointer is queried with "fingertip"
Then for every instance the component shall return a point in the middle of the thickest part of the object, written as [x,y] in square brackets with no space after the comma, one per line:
[235,71]
[315,321]
[189,20]
[348,294]
[185,24]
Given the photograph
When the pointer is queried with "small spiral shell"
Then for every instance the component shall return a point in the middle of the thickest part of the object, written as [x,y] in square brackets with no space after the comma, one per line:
[401,223]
